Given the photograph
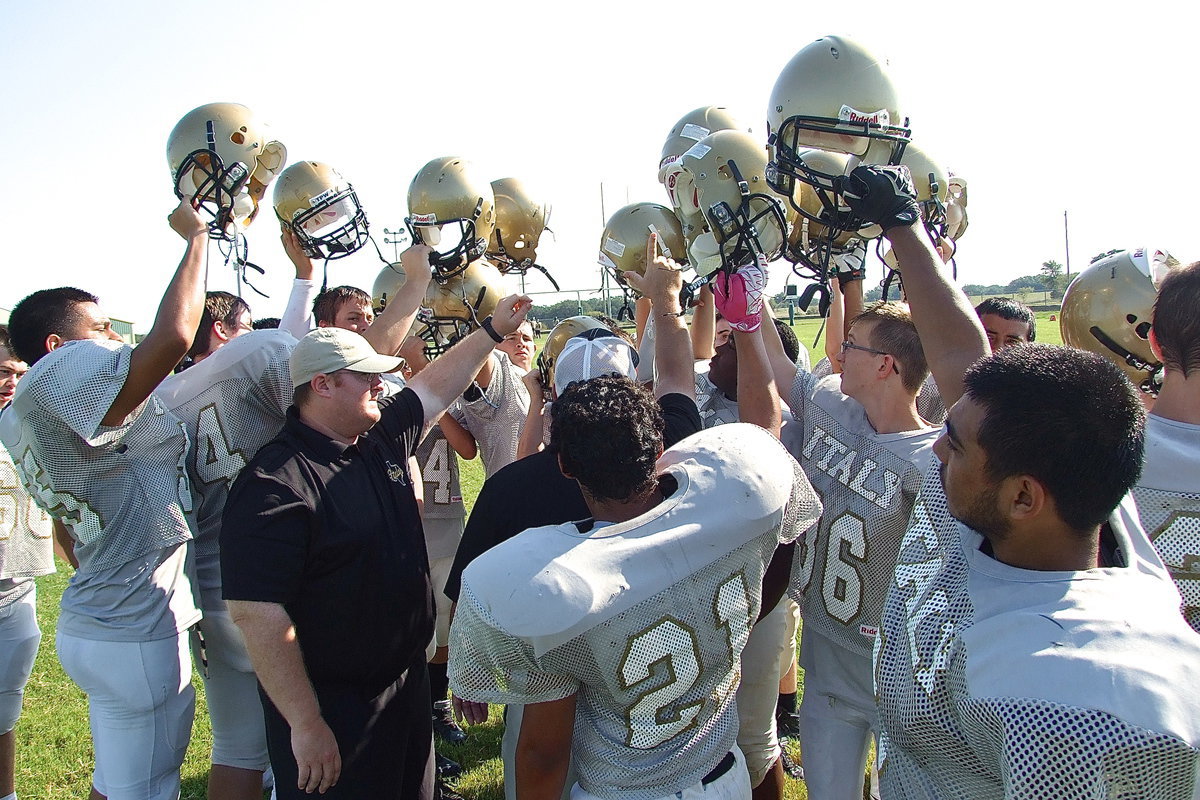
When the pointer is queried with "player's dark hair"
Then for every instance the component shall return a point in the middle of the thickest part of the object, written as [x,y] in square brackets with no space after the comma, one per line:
[266,323]
[45,312]
[791,345]
[1011,310]
[1177,319]
[1067,417]
[5,342]
[330,301]
[894,333]
[608,433]
[220,307]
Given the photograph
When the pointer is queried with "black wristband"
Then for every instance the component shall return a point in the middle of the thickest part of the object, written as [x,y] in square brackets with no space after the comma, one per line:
[487,326]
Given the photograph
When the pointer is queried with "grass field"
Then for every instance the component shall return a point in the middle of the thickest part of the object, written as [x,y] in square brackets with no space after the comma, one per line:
[54,758]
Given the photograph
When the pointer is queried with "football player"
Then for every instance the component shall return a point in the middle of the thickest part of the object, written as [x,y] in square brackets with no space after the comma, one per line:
[231,402]
[578,349]
[865,447]
[1031,644]
[25,553]
[1006,322]
[670,629]
[98,450]
[1168,491]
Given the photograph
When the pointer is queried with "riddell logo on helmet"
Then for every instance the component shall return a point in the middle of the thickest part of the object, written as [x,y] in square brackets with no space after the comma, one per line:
[879,118]
[424,219]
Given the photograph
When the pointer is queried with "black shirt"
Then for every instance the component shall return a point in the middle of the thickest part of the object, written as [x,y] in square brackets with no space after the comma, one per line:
[332,533]
[533,492]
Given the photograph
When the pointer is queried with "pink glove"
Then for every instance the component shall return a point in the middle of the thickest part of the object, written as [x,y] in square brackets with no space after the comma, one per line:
[739,296]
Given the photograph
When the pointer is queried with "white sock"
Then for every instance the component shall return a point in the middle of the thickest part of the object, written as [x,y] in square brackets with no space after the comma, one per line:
[12,796]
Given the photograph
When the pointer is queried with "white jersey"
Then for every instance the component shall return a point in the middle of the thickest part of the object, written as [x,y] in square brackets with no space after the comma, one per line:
[643,620]
[496,418]
[929,399]
[868,483]
[1168,500]
[26,534]
[715,408]
[232,403]
[443,512]
[999,682]
[121,491]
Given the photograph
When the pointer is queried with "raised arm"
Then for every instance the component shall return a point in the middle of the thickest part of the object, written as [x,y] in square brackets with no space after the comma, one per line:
[448,376]
[297,314]
[673,360]
[704,325]
[175,324]
[950,332]
[390,328]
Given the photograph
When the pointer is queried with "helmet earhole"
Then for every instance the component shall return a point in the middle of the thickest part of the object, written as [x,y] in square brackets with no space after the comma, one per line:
[1143,330]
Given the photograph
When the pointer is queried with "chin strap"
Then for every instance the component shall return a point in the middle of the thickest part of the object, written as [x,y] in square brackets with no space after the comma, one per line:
[236,252]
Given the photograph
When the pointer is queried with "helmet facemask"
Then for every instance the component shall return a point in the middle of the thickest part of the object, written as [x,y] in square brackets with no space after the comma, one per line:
[334,227]
[221,193]
[756,227]
[453,241]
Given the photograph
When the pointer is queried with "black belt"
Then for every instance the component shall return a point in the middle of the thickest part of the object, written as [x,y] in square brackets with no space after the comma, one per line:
[720,769]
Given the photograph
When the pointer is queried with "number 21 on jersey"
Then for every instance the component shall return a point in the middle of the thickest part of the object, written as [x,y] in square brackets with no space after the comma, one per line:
[670,649]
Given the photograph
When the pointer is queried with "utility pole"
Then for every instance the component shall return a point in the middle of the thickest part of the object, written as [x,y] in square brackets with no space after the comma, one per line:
[395,238]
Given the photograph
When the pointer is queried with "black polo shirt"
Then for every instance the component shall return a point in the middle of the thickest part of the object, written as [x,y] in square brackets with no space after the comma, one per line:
[332,533]
[533,492]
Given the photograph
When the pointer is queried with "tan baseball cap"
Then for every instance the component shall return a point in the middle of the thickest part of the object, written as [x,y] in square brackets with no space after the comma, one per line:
[327,350]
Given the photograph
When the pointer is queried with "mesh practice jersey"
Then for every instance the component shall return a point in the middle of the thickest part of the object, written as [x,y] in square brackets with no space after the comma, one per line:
[643,620]
[26,535]
[929,399]
[868,483]
[999,682]
[496,418]
[232,403]
[715,407]
[1168,500]
[443,494]
[121,491]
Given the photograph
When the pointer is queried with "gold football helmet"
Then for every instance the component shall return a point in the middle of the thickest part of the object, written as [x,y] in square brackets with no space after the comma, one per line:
[623,243]
[956,207]
[724,180]
[456,306]
[833,95]
[389,281]
[691,128]
[321,208]
[453,212]
[223,156]
[557,340]
[1107,309]
[520,221]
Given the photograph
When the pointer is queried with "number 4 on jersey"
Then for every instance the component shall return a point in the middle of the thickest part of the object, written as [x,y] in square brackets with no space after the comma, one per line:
[216,460]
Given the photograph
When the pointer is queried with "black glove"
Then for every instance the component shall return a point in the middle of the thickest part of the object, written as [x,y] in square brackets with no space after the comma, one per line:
[883,195]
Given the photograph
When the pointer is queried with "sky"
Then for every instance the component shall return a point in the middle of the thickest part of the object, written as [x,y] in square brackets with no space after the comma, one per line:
[1044,107]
